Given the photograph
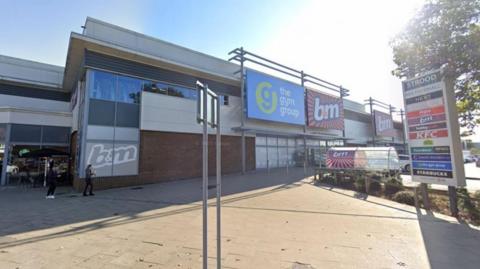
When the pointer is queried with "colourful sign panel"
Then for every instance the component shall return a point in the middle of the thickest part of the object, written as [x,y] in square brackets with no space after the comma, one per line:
[340,159]
[273,99]
[433,131]
[324,111]
[383,124]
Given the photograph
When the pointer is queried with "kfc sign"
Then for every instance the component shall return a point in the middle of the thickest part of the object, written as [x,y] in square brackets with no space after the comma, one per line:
[324,111]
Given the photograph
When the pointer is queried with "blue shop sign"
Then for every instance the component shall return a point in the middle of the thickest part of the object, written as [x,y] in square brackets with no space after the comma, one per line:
[433,165]
[274,99]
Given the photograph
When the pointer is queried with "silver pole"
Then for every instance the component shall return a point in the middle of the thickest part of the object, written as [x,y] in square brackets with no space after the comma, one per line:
[302,80]
[205,175]
[373,120]
[242,102]
[219,188]
[6,156]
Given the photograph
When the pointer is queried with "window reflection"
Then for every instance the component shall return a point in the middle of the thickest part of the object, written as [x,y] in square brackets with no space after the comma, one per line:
[102,85]
[129,90]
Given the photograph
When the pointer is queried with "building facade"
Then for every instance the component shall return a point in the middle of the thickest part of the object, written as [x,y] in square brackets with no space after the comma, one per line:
[126,103]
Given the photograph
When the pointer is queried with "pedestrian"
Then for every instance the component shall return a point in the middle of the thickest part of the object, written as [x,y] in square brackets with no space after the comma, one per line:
[52,181]
[89,174]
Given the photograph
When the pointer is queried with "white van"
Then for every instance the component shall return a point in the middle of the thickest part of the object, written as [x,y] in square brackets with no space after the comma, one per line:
[404,161]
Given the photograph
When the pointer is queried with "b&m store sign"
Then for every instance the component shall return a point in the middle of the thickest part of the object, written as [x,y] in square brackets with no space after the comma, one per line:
[273,99]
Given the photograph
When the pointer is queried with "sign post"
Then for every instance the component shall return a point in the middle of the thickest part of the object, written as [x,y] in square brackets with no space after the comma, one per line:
[208,113]
[433,132]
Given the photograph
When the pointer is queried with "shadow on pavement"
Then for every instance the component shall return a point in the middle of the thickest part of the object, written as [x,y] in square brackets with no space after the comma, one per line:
[24,211]
[449,244]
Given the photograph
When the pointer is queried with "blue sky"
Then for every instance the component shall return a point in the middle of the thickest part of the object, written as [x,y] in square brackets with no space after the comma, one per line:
[345,42]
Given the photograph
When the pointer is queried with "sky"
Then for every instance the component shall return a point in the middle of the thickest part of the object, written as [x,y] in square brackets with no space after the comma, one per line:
[344,42]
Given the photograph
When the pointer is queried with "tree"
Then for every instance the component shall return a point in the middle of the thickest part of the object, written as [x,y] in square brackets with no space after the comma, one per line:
[445,33]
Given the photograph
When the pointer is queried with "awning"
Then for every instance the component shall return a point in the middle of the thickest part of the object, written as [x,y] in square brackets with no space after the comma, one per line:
[319,135]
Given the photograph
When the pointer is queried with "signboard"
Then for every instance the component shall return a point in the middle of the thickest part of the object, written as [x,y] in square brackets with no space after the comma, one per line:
[340,159]
[274,99]
[433,131]
[324,111]
[383,124]
[108,159]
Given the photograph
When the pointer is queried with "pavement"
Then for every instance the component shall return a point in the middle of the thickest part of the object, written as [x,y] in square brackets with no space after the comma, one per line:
[268,221]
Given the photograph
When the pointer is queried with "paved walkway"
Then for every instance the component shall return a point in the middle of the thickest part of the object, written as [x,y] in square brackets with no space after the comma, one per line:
[269,221]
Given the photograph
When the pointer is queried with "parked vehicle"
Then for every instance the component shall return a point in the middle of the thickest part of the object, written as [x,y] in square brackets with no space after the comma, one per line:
[404,161]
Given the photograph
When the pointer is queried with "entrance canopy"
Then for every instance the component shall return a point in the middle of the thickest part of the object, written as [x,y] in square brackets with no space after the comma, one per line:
[317,135]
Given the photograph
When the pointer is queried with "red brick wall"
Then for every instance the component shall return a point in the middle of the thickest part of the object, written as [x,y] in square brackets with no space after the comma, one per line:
[168,156]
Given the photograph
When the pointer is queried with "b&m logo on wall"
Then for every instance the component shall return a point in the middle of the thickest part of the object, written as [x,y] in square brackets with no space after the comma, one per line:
[383,124]
[324,111]
[274,99]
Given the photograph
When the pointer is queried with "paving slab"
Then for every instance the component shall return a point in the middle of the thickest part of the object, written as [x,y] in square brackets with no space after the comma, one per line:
[270,220]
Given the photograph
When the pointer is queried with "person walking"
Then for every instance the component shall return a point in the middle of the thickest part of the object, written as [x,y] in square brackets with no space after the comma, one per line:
[52,181]
[89,173]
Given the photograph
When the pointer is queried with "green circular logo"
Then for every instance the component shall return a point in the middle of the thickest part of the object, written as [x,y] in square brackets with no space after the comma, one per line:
[266,99]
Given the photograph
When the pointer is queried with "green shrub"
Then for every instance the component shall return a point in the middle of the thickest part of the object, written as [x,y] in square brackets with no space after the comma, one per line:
[393,186]
[404,197]
[375,187]
[476,195]
[359,184]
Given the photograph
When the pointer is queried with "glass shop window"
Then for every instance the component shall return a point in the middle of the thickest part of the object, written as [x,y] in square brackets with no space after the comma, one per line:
[129,90]
[102,85]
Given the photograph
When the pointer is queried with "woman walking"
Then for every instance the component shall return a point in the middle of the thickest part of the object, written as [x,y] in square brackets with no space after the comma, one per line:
[52,181]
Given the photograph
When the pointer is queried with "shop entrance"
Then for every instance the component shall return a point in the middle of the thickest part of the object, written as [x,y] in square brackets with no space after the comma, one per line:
[28,164]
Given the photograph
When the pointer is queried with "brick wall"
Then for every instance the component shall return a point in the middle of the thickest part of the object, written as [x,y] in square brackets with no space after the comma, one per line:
[166,156]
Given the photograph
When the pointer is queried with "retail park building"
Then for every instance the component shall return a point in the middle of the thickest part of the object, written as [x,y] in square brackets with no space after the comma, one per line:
[126,103]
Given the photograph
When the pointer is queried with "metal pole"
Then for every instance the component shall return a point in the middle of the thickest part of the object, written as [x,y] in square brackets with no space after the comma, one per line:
[219,188]
[341,97]
[242,102]
[370,100]
[6,156]
[452,196]
[205,175]
[426,199]
[391,108]
[402,114]
[302,81]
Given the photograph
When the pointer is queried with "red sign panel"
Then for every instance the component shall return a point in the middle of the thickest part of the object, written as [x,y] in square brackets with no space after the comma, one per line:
[426,112]
[428,134]
[324,111]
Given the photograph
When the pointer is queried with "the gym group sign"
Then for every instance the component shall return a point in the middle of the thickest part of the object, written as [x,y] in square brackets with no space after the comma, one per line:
[324,111]
[274,99]
[433,130]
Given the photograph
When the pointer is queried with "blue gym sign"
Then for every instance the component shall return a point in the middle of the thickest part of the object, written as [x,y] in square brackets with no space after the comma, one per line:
[274,99]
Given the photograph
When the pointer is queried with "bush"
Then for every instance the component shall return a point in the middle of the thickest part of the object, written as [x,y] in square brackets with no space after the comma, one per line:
[404,197]
[392,186]
[359,184]
[375,187]
[476,195]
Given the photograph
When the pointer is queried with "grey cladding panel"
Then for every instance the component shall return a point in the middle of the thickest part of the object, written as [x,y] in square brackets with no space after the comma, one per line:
[128,115]
[357,116]
[31,92]
[106,62]
[101,112]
